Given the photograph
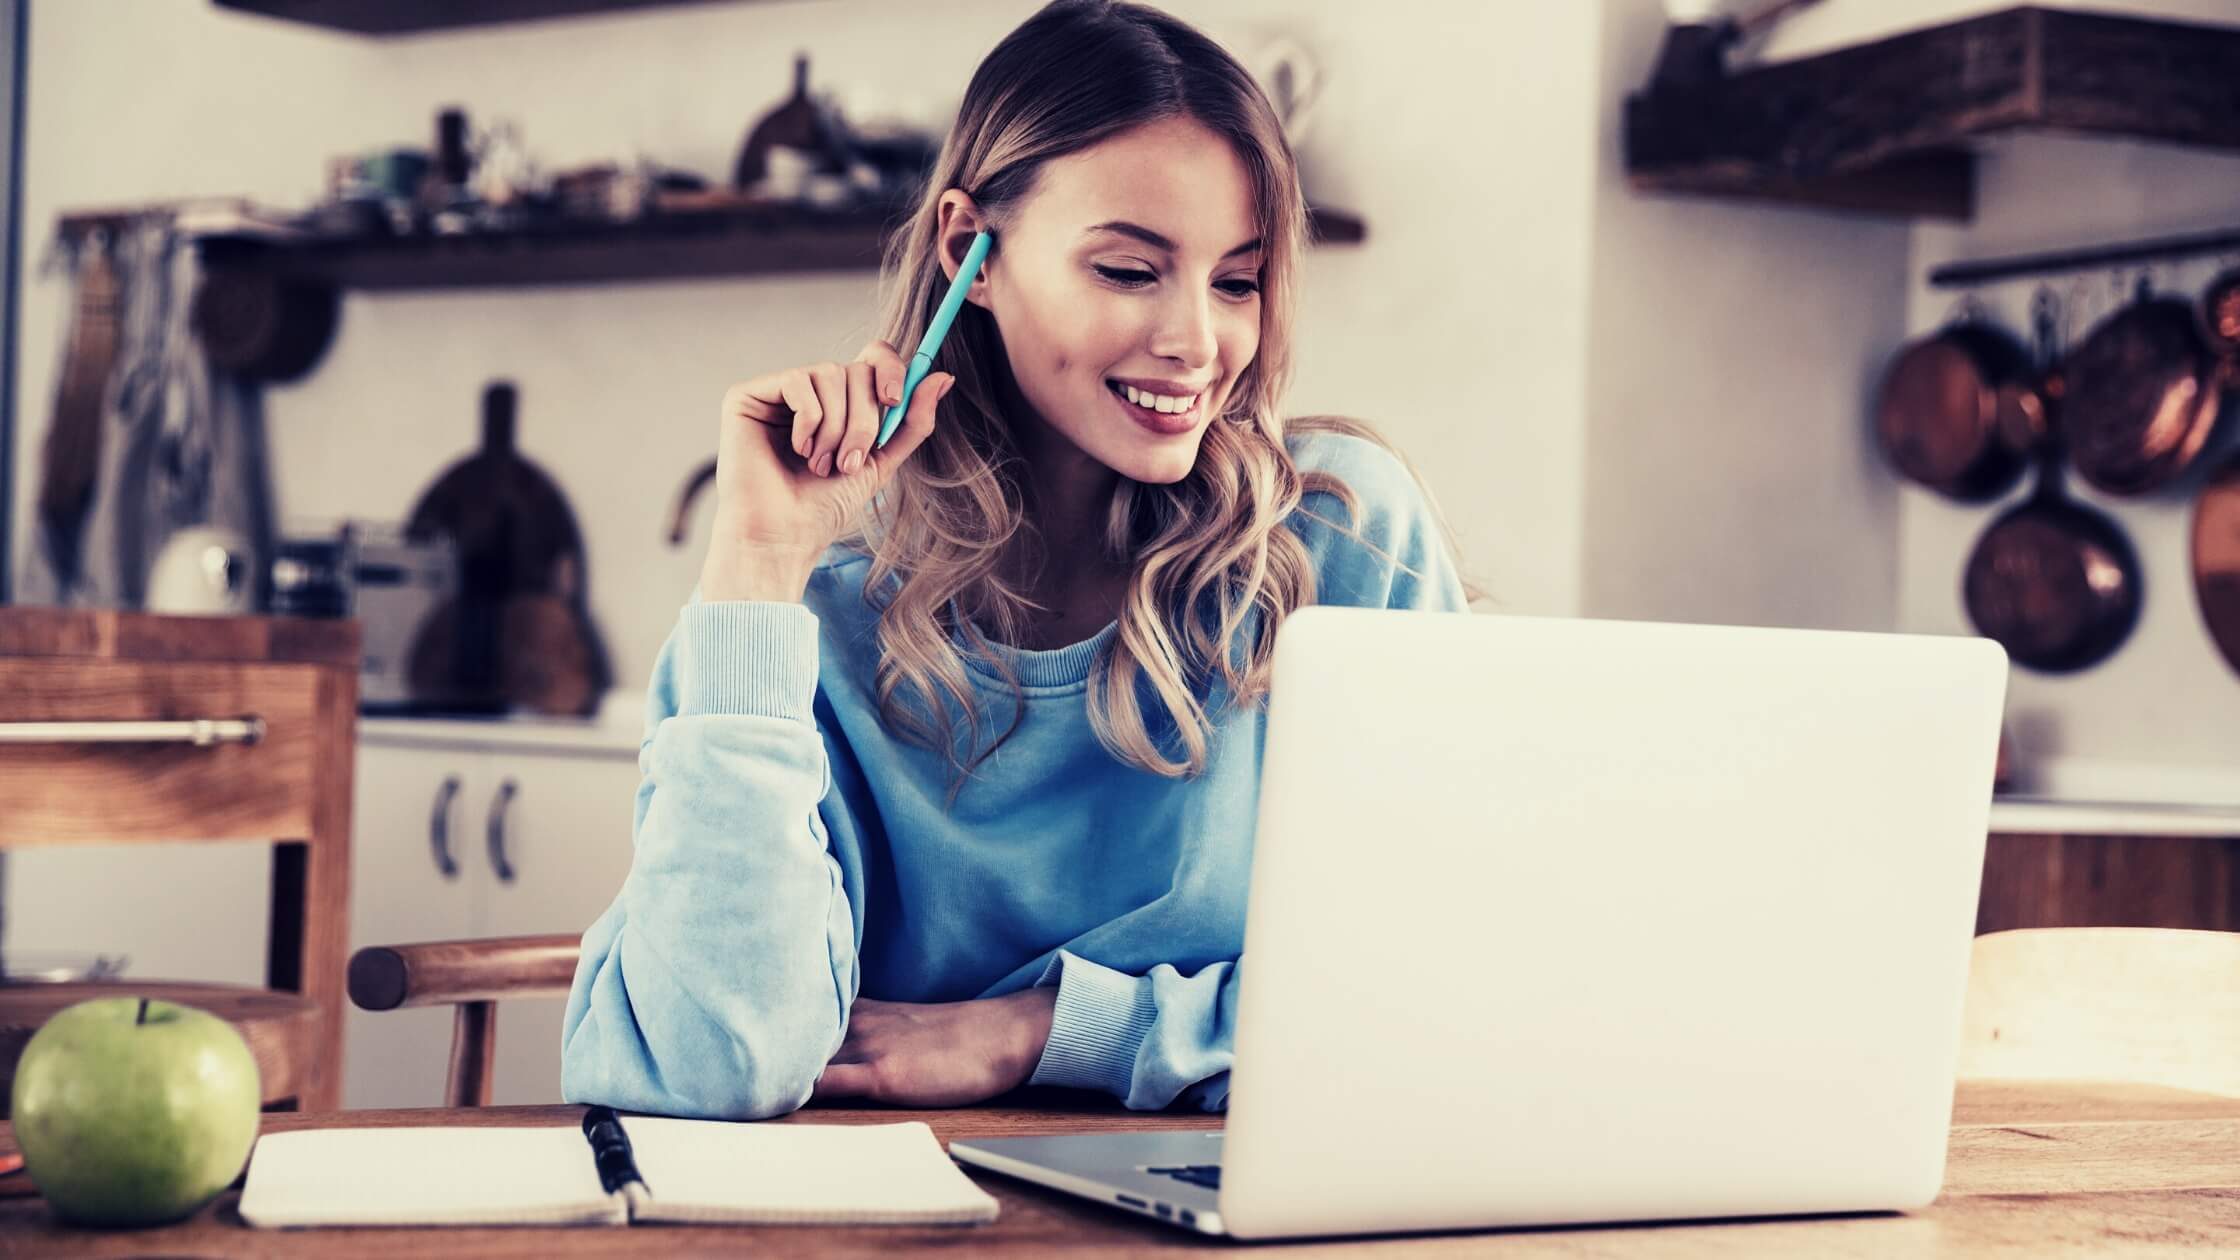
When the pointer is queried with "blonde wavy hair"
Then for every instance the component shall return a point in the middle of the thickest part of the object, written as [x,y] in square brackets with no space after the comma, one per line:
[1214,544]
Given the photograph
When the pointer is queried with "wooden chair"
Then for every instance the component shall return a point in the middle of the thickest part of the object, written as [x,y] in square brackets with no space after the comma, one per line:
[2154,1005]
[130,728]
[473,976]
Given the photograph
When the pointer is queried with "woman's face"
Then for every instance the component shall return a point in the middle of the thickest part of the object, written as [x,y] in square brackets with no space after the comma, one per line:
[1127,289]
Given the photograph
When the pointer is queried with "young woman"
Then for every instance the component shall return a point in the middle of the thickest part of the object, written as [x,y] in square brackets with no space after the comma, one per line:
[950,765]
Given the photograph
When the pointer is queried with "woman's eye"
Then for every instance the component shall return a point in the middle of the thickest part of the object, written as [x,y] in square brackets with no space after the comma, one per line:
[1136,278]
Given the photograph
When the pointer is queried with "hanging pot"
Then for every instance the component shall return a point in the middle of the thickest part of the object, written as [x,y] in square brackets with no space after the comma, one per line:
[2216,559]
[260,325]
[1938,414]
[2144,391]
[2054,581]
[2220,314]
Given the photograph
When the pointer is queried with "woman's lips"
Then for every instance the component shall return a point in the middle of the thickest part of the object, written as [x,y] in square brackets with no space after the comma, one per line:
[1163,423]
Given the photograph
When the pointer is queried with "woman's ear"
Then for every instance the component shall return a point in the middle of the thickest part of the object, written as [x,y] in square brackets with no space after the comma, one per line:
[959,221]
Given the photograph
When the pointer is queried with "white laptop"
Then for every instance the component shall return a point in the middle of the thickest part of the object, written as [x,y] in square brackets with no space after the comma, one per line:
[1556,921]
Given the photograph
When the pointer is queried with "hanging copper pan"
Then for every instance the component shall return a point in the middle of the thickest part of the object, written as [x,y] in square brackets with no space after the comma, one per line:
[2220,314]
[2144,391]
[2055,582]
[2216,559]
[1937,416]
[2216,518]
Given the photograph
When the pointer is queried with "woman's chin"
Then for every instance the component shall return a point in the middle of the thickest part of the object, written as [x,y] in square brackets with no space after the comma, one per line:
[1168,464]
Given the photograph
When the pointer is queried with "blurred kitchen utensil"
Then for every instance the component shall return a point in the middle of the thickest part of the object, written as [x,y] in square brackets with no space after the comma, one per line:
[2144,392]
[54,966]
[2054,581]
[2220,314]
[203,571]
[516,537]
[1699,35]
[71,455]
[1958,409]
[258,324]
[802,133]
[2216,558]
[1292,82]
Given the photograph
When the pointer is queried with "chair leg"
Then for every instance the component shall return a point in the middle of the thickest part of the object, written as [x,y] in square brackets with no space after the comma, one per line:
[473,1042]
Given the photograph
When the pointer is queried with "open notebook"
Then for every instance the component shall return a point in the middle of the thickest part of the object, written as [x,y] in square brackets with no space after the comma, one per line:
[612,1171]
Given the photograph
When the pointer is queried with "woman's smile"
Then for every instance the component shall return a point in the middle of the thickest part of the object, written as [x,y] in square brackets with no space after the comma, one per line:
[1166,414]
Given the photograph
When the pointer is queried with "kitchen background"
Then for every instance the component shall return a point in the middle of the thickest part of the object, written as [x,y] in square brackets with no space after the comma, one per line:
[1630,405]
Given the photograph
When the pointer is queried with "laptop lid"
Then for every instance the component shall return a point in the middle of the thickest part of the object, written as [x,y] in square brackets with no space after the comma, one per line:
[1558,920]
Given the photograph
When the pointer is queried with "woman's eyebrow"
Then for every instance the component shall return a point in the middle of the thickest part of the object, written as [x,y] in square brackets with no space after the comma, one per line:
[1149,237]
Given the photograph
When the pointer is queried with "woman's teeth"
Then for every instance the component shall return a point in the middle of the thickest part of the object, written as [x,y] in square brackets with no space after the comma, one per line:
[1155,402]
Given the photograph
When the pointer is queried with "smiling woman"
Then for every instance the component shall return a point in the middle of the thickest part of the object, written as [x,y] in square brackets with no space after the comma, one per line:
[1113,448]
[853,874]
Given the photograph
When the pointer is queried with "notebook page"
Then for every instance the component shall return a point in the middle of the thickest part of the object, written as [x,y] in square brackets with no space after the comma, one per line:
[714,1171]
[427,1176]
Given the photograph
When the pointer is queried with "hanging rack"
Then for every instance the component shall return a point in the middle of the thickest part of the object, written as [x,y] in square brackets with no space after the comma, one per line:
[1962,275]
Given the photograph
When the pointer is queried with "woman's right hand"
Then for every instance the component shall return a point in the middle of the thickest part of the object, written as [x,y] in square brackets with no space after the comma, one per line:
[795,467]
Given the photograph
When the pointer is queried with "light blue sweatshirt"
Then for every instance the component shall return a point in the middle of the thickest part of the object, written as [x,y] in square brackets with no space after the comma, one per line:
[792,853]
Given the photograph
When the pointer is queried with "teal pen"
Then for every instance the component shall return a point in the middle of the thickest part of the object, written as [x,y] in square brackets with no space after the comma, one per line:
[930,344]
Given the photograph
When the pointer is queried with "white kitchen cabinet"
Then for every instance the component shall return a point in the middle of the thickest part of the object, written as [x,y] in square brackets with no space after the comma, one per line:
[462,842]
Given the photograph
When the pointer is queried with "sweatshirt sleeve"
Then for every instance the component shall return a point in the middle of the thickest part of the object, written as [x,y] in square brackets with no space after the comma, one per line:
[717,984]
[1164,1037]
[1151,1040]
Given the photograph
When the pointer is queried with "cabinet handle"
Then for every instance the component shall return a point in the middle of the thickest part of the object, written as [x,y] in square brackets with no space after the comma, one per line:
[498,806]
[439,827]
[201,732]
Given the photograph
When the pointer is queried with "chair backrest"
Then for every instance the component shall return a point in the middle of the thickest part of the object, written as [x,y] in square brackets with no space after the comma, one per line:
[2154,1005]
[470,976]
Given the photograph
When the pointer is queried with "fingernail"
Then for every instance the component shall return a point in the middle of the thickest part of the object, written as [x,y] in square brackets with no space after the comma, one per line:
[801,447]
[823,465]
[893,394]
[851,461]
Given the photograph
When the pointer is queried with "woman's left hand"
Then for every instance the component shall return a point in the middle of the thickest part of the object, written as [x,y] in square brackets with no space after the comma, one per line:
[939,1054]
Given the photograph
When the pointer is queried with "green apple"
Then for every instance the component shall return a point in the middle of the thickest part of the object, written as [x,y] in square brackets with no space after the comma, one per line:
[134,1112]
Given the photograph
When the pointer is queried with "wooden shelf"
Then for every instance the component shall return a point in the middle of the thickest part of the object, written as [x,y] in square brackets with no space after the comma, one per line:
[1886,126]
[760,240]
[404,17]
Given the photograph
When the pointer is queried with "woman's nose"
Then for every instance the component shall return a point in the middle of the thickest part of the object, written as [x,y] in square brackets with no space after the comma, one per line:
[1185,331]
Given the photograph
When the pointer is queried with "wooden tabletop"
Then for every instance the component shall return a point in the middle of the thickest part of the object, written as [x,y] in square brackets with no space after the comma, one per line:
[2037,1170]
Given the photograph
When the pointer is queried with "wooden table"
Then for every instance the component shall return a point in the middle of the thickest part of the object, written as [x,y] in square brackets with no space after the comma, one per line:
[2037,1171]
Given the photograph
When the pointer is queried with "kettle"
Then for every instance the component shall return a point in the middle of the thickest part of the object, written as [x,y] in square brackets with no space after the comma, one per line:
[203,571]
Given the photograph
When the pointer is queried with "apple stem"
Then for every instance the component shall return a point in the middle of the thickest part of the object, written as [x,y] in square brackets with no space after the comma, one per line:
[143,1017]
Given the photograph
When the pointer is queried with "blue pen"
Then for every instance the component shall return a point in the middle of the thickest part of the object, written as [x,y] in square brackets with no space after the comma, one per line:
[930,344]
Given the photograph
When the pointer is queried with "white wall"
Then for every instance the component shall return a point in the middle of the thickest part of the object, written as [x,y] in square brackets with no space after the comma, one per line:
[1728,472]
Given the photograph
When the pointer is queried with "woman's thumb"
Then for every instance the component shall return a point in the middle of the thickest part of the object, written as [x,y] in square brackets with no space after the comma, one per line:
[917,423]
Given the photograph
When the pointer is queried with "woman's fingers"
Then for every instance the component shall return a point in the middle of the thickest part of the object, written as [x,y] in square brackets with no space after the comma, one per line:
[831,382]
[800,396]
[916,426]
[845,1080]
[864,413]
[887,369]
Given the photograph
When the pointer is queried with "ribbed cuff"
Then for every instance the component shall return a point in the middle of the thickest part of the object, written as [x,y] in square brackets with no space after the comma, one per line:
[747,657]
[1098,1028]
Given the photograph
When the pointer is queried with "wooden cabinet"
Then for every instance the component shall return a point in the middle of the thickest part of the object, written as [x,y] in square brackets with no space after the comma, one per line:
[461,843]
[129,743]
[2086,880]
